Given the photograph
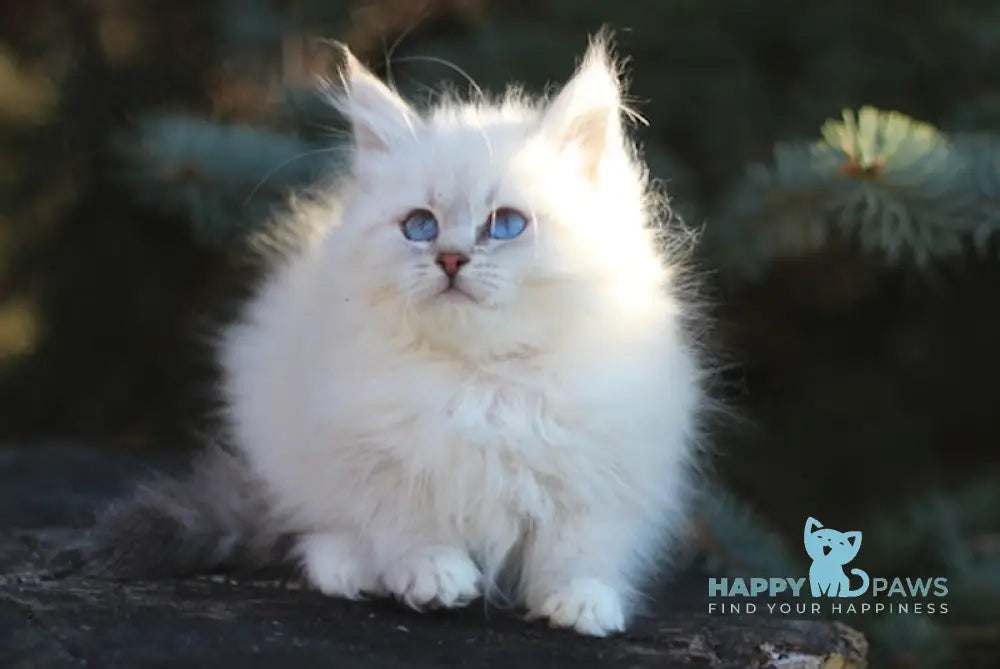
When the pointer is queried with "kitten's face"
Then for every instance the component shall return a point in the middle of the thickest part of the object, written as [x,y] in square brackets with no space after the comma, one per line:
[468,212]
[829,545]
[462,217]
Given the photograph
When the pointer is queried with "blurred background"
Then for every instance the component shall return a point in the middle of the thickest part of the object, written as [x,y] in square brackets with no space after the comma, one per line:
[841,160]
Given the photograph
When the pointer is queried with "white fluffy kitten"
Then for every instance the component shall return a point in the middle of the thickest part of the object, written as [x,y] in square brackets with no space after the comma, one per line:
[474,372]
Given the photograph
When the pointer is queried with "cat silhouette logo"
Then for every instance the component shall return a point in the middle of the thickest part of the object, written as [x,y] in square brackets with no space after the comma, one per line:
[830,550]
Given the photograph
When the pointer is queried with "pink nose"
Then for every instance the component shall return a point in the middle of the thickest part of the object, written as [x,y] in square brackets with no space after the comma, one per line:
[451,262]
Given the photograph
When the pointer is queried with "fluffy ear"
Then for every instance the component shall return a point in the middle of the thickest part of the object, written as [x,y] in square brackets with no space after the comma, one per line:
[378,116]
[586,113]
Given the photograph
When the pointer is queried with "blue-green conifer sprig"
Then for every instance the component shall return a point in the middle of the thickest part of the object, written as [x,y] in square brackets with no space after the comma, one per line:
[892,185]
[982,153]
[226,179]
[732,540]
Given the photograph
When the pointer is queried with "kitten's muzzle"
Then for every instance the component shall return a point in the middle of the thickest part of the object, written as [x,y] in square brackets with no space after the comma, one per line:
[450,263]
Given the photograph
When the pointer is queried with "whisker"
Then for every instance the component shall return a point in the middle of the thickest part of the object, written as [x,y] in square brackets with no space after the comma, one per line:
[473,223]
[285,163]
[634,116]
[534,232]
[390,52]
[424,89]
[487,275]
[332,131]
[448,64]
[486,139]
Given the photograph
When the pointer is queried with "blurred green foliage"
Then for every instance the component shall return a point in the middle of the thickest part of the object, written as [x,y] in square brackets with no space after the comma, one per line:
[842,160]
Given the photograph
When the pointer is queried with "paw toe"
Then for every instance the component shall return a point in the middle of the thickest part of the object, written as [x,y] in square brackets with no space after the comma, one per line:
[444,577]
[587,606]
[333,566]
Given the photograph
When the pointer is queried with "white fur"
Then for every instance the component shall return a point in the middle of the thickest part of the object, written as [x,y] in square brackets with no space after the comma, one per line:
[424,443]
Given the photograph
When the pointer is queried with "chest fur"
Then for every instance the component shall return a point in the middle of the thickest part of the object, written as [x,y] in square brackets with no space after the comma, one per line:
[464,438]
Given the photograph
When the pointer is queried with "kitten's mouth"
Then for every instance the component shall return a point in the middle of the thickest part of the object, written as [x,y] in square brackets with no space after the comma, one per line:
[454,293]
[826,550]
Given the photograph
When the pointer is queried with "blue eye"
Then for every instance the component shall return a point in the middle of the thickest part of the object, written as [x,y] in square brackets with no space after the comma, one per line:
[420,226]
[506,224]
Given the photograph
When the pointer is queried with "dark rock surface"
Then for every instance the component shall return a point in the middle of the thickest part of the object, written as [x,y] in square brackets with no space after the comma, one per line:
[50,617]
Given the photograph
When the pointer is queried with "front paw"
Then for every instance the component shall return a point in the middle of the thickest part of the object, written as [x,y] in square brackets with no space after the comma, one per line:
[434,577]
[586,605]
[335,566]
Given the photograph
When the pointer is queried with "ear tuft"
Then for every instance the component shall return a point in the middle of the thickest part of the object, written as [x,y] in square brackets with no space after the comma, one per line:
[379,117]
[586,114]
